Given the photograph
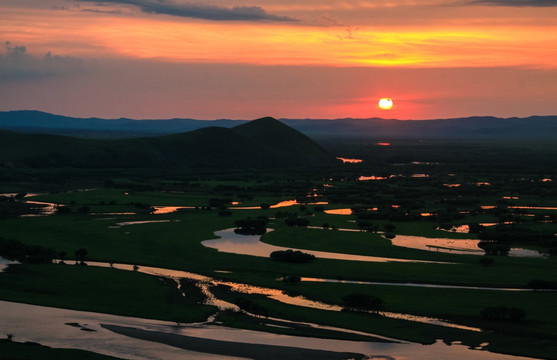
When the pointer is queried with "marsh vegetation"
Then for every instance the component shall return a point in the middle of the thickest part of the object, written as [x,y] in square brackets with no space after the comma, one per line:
[505,195]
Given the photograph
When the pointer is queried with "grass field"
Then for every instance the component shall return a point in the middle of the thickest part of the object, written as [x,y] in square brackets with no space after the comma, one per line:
[174,242]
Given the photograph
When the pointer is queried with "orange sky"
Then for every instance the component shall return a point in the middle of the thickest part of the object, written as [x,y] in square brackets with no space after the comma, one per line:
[321,59]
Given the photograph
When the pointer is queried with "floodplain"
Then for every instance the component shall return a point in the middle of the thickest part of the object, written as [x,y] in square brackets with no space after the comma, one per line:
[487,301]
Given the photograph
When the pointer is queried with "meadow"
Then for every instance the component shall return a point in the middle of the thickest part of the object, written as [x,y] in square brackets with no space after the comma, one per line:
[423,189]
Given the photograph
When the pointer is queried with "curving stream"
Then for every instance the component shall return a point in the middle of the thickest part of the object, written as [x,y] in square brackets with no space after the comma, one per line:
[230,242]
[132,338]
[62,328]
[126,337]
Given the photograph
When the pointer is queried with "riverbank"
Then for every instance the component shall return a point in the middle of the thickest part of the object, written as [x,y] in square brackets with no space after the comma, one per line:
[232,348]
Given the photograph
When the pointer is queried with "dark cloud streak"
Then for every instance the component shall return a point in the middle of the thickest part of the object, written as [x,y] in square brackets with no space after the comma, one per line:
[515,3]
[199,11]
[16,64]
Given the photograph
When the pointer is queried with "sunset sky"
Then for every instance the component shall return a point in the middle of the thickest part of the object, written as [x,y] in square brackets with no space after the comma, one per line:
[287,59]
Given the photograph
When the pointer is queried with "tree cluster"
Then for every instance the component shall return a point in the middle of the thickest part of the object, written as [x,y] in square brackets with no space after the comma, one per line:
[497,240]
[494,248]
[292,256]
[251,307]
[296,221]
[361,302]
[16,250]
[514,235]
[291,279]
[251,226]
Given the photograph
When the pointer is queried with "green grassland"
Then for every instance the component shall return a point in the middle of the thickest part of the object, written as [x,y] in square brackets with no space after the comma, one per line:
[176,244]
[101,290]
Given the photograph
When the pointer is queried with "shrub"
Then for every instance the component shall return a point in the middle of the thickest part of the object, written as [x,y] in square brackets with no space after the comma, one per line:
[291,279]
[361,302]
[292,256]
[296,221]
[251,226]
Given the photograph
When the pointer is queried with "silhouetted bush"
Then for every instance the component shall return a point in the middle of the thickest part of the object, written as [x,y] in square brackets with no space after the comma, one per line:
[494,248]
[291,279]
[361,302]
[292,256]
[16,250]
[251,226]
[251,307]
[296,221]
[80,255]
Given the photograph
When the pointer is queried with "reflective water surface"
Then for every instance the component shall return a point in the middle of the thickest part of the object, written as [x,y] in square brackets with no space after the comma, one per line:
[435,286]
[42,208]
[4,263]
[350,161]
[285,203]
[47,326]
[231,242]
[206,282]
[372,177]
[169,209]
[51,327]
[345,211]
[455,246]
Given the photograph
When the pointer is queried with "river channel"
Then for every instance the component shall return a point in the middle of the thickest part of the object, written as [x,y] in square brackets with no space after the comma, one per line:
[230,242]
[62,328]
[105,334]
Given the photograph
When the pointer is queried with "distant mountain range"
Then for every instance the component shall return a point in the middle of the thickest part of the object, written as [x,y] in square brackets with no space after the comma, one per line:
[476,127]
[263,142]
[375,128]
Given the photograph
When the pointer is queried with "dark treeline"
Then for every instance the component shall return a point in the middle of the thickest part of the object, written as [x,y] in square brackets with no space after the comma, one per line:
[361,302]
[251,226]
[498,237]
[35,254]
[292,256]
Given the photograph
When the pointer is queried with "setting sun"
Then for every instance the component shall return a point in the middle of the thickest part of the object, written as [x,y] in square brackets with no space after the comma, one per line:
[385,103]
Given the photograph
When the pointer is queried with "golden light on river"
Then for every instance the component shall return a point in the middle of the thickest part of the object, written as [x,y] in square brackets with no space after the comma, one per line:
[385,104]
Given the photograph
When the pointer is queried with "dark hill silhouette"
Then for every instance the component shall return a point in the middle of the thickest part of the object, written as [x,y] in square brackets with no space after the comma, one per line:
[265,143]
[282,141]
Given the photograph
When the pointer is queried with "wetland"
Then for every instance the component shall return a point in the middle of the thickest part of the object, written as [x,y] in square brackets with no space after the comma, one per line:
[143,253]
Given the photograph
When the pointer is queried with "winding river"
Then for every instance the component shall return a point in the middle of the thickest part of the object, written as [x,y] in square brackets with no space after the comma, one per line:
[61,328]
[132,338]
[121,336]
[230,242]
